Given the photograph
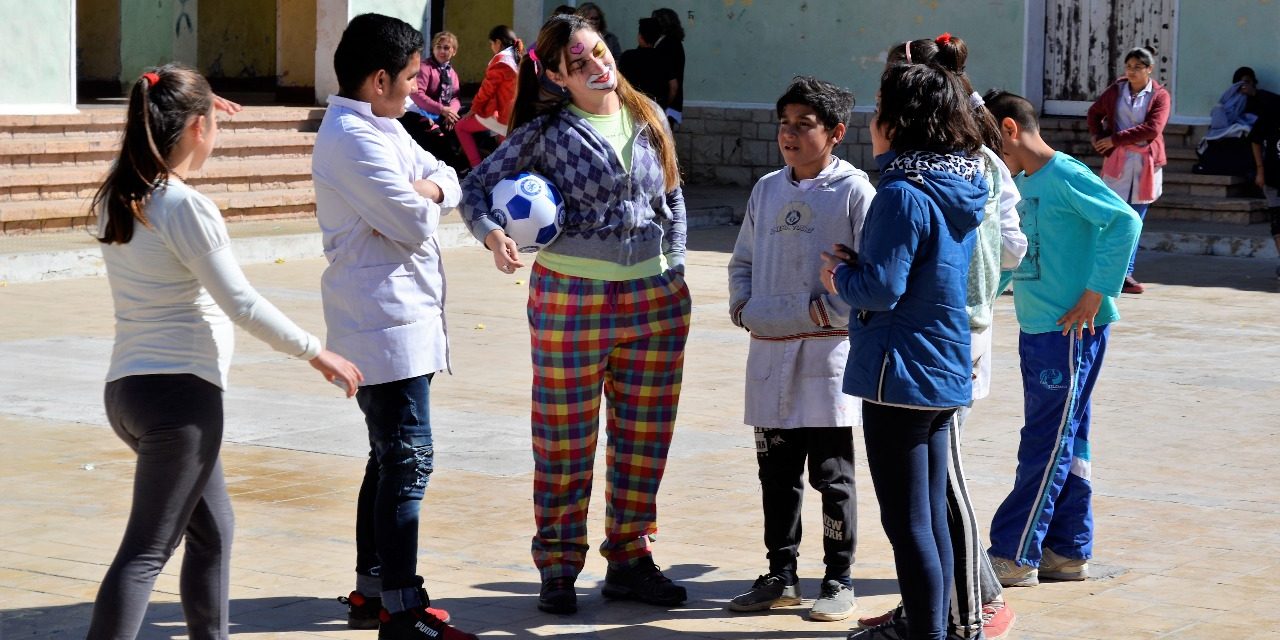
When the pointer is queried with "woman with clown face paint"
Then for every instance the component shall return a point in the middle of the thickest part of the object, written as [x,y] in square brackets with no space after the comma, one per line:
[608,306]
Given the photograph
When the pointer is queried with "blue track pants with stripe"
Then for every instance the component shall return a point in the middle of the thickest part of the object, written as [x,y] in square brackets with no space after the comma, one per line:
[1051,501]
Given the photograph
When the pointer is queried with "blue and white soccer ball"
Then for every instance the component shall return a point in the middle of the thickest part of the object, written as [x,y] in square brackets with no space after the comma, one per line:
[529,209]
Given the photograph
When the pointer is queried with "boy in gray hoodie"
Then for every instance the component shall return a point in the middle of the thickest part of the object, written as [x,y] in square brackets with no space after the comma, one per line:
[799,344]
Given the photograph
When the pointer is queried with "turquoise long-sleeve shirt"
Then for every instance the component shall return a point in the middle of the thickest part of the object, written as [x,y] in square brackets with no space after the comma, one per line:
[1080,235]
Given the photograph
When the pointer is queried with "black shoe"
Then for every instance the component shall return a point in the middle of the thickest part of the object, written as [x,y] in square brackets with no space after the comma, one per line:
[362,612]
[417,624]
[558,596]
[642,581]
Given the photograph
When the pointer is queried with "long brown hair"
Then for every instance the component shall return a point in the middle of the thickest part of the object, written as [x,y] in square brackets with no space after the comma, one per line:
[161,102]
[537,95]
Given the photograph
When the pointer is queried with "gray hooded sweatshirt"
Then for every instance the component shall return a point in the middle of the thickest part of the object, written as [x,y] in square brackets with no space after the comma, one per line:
[795,366]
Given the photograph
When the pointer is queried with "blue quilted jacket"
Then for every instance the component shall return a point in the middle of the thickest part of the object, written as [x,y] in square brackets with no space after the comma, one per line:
[909,338]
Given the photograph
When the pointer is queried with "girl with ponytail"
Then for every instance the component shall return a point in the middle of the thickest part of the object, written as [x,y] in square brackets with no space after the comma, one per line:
[177,291]
[491,108]
[608,305]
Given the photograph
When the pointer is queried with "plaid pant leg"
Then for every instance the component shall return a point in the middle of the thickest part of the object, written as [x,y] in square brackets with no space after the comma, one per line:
[570,349]
[642,388]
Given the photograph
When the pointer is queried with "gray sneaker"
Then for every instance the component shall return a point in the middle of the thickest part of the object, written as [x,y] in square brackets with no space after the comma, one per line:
[767,592]
[836,602]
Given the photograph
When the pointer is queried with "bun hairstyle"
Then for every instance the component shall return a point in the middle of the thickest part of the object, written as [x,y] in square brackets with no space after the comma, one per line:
[913,52]
[161,103]
[537,95]
[951,53]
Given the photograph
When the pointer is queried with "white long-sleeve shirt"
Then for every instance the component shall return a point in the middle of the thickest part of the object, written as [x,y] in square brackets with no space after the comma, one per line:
[384,289]
[177,290]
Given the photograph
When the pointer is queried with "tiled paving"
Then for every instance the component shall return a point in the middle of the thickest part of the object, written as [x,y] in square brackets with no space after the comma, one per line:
[1187,434]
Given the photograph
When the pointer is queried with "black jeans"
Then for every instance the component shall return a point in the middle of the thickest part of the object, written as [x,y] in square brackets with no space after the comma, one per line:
[907,452]
[781,454]
[401,459]
[174,423]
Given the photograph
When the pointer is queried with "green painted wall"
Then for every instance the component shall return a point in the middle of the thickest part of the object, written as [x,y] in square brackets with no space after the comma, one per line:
[36,56]
[415,12]
[147,36]
[1214,38]
[748,50]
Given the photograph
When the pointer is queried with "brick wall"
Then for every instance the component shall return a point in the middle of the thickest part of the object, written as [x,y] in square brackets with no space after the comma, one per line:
[721,145]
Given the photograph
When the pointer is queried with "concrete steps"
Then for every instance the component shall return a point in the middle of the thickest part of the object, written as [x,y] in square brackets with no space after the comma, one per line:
[50,166]
[1187,196]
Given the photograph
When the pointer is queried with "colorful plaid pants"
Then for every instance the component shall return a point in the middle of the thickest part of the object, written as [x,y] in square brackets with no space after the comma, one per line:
[626,339]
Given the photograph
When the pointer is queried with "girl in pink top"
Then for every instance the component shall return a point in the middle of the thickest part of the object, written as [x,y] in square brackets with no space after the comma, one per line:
[433,108]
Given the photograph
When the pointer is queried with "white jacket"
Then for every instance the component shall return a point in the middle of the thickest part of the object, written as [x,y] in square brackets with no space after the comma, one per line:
[384,289]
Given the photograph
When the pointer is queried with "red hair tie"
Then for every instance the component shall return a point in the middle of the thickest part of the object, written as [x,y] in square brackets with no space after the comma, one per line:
[943,39]
[152,78]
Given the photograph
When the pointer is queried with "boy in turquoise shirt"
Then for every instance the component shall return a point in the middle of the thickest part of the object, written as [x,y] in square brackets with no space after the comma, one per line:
[1080,235]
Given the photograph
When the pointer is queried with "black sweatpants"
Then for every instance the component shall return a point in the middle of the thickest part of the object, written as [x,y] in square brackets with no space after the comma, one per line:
[781,454]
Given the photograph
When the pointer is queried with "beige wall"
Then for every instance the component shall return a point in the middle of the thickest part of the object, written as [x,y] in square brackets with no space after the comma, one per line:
[471,21]
[296,43]
[98,39]
[237,39]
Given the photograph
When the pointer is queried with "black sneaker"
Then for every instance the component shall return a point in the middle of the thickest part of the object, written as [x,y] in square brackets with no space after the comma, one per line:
[642,581]
[362,612]
[416,624]
[557,595]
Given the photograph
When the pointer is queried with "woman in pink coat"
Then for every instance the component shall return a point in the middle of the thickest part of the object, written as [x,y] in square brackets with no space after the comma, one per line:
[1127,125]
[435,107]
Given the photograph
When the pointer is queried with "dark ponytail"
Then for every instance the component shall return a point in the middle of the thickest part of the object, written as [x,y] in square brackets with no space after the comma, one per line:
[161,103]
[504,34]
[535,93]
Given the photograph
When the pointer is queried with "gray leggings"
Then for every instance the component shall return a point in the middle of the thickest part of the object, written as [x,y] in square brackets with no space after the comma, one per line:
[174,424]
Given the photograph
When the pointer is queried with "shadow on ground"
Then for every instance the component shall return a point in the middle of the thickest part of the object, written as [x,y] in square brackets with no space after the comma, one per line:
[1245,274]
[164,620]
[601,618]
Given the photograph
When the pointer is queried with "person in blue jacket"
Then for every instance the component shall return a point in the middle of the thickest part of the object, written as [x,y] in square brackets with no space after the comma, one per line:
[909,358]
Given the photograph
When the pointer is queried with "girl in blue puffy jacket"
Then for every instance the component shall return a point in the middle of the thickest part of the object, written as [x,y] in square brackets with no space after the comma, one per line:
[909,357]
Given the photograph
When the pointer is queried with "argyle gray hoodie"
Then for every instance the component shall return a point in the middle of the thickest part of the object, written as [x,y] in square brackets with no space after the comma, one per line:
[610,214]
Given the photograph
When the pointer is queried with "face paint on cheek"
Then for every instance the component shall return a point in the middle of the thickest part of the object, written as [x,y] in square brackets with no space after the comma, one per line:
[605,80]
